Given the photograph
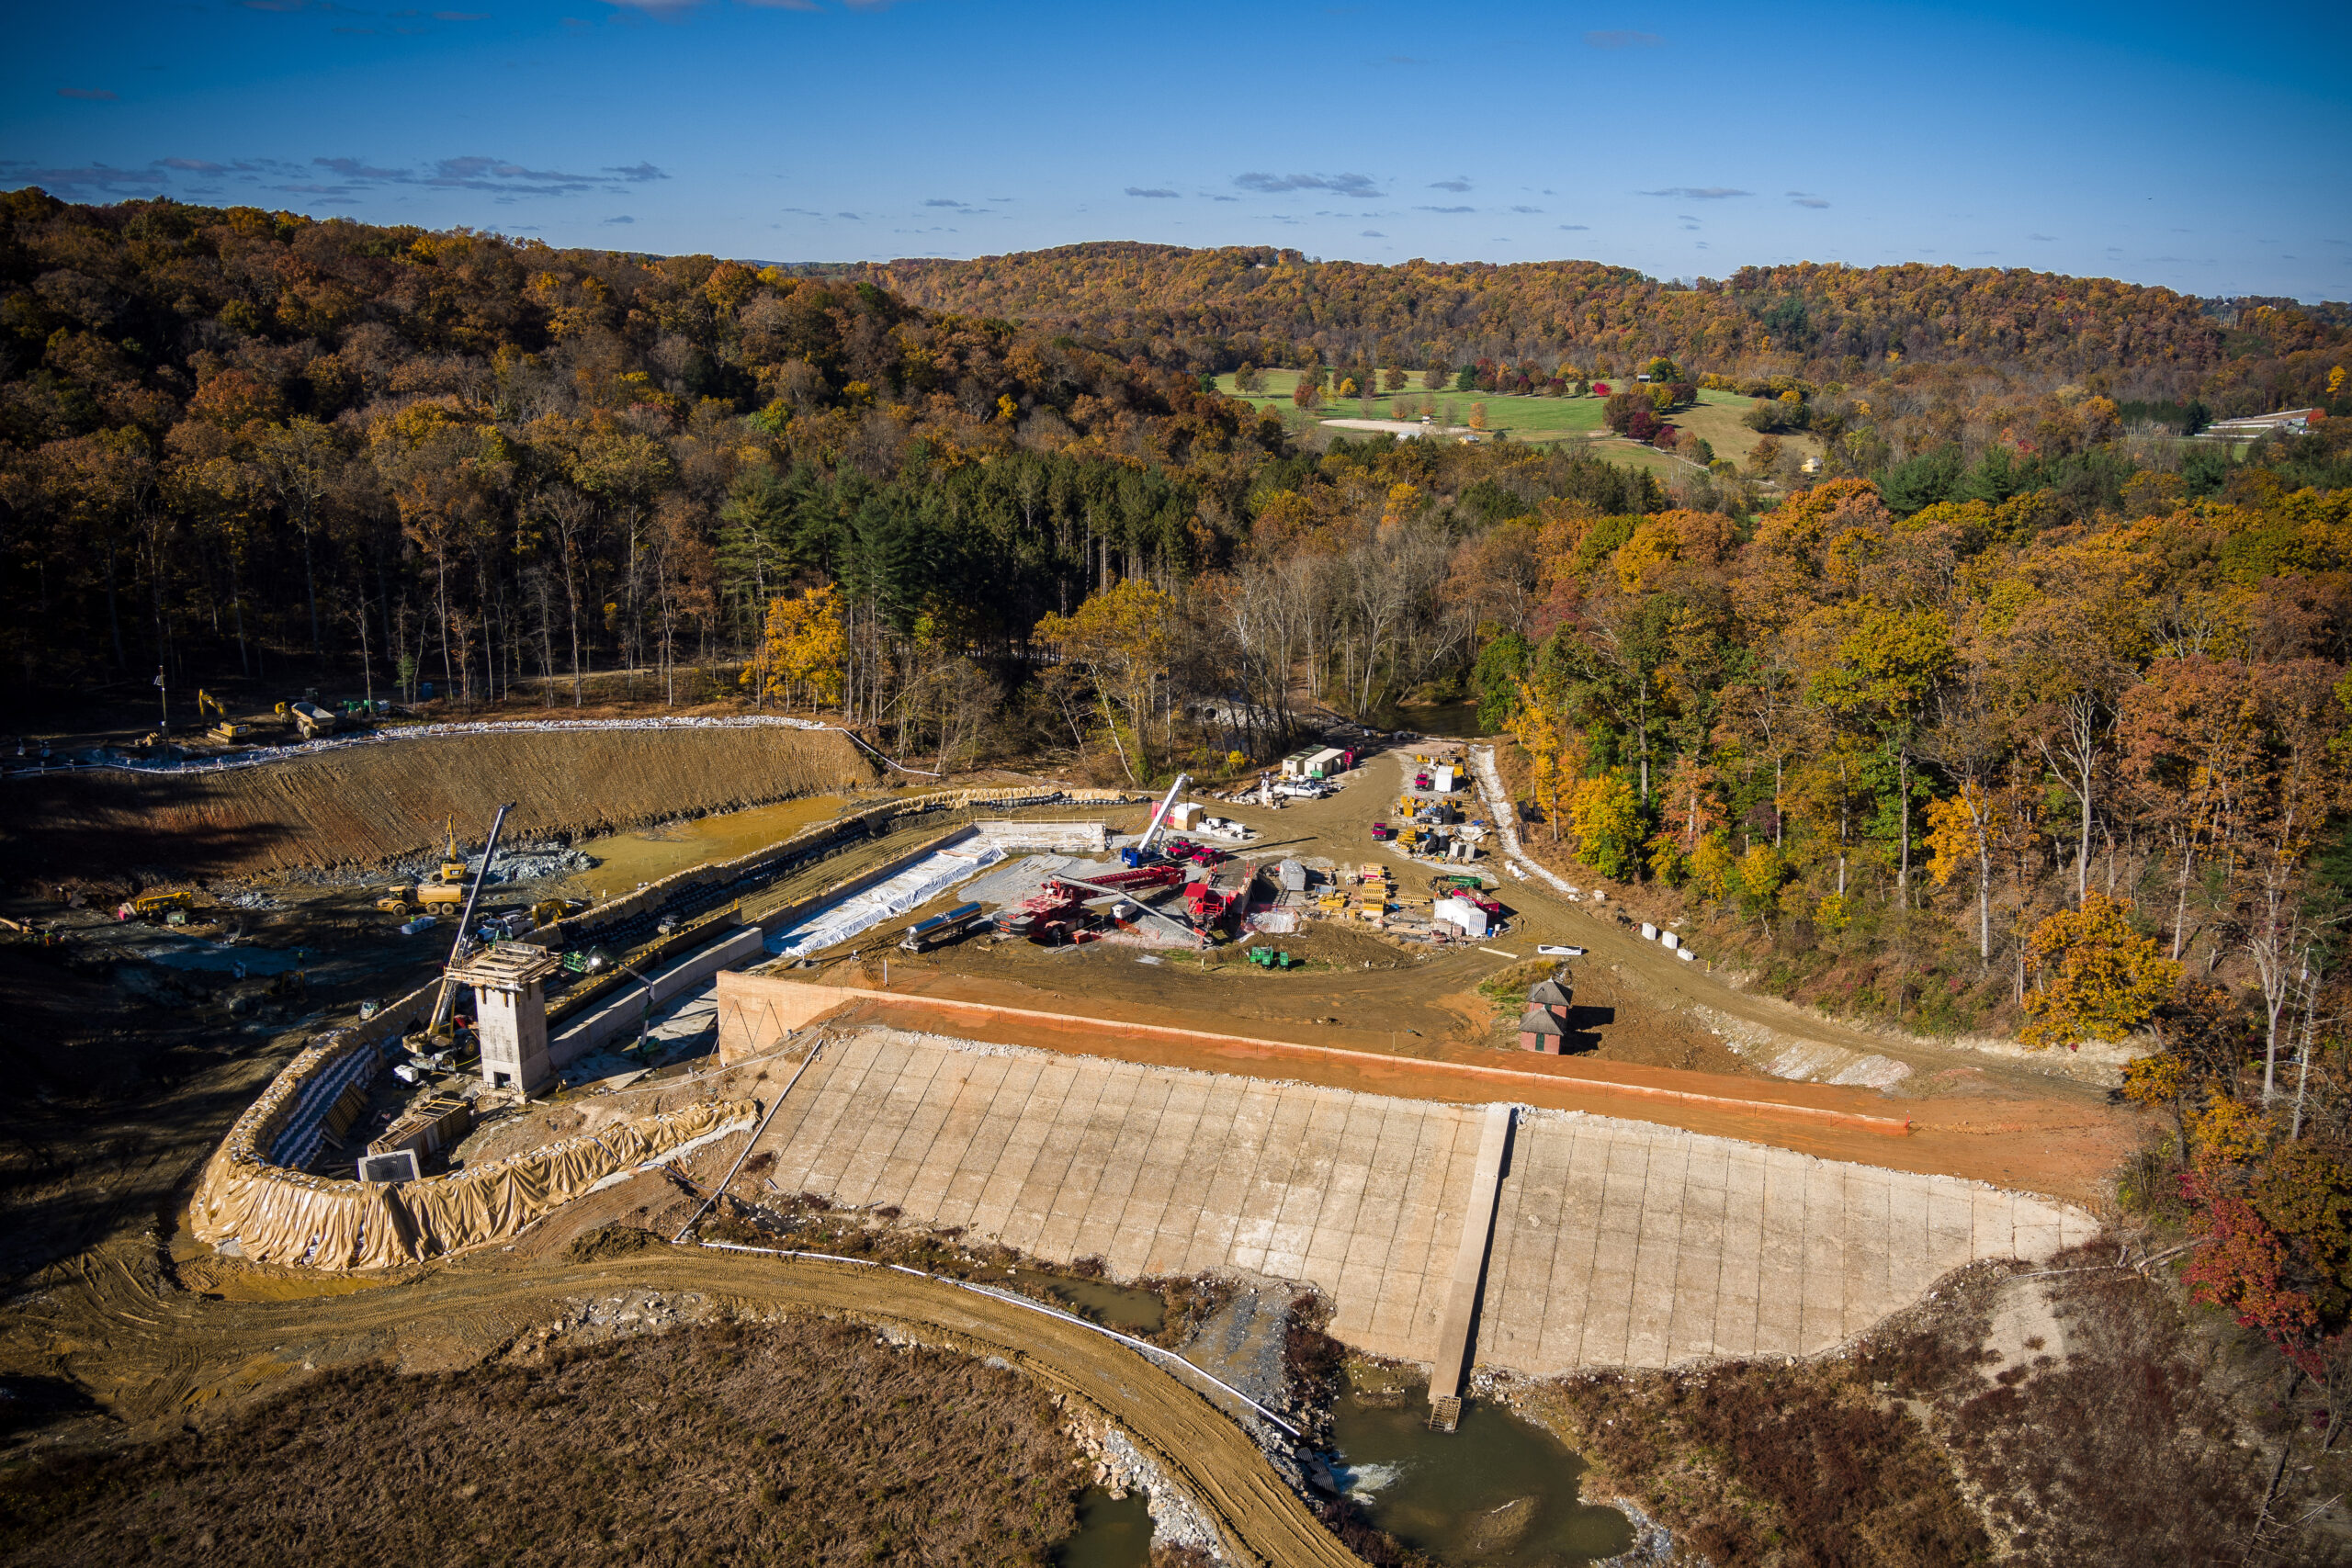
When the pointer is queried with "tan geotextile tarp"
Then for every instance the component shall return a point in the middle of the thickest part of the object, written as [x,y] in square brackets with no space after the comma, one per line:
[281,1215]
[278,1215]
[286,1216]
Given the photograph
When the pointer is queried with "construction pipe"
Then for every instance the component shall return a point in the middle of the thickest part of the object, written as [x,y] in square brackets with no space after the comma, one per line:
[1152,828]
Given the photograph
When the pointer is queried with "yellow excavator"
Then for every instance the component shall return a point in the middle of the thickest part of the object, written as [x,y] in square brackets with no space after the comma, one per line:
[445,885]
[227,728]
[453,865]
[162,906]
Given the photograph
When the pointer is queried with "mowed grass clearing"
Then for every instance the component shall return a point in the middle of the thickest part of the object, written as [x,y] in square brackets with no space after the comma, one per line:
[1715,417]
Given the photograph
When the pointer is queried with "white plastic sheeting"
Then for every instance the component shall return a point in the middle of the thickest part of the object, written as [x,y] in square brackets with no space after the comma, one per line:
[917,885]
[1463,913]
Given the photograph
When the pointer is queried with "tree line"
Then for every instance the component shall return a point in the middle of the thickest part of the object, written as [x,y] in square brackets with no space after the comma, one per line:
[2022,718]
[1212,310]
[1985,766]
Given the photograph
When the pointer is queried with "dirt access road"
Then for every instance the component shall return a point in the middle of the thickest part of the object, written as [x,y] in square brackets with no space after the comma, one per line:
[158,1355]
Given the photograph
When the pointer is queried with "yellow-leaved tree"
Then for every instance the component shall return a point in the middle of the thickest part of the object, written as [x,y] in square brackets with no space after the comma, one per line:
[1535,724]
[1713,872]
[1960,828]
[804,651]
[1608,820]
[1121,640]
[2093,976]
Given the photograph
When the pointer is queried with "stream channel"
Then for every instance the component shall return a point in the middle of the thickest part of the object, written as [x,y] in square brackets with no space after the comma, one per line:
[1500,1491]
[1445,720]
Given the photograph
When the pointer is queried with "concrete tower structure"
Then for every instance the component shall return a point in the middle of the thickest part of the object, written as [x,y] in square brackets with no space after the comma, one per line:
[511,1013]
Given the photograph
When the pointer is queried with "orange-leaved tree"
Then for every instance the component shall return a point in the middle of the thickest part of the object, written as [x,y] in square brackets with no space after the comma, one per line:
[2093,976]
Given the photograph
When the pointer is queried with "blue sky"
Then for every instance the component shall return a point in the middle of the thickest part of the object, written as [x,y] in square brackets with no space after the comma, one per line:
[2200,149]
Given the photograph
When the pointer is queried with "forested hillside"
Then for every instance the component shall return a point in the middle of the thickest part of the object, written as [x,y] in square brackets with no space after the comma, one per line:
[1930,334]
[2027,715]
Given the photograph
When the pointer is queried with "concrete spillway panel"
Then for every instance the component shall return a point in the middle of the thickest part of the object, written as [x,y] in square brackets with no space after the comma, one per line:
[1613,1243]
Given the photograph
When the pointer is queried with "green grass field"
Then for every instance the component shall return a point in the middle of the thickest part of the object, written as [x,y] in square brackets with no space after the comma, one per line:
[1715,417]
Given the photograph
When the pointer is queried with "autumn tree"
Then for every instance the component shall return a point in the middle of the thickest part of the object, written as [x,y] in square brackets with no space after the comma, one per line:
[1885,666]
[302,463]
[1607,818]
[2093,976]
[1123,639]
[1535,724]
[1963,827]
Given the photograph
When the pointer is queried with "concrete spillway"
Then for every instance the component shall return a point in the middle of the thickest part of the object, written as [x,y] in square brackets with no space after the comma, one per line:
[1453,1360]
[1613,1243]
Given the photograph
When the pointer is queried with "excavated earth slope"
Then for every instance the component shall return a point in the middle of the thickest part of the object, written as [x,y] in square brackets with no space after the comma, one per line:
[364,804]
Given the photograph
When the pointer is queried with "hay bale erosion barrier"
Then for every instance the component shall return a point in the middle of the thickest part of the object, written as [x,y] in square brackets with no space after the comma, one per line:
[370,803]
[276,1214]
[104,759]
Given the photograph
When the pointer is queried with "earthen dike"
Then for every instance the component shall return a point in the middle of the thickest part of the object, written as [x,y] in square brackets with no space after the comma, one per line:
[362,806]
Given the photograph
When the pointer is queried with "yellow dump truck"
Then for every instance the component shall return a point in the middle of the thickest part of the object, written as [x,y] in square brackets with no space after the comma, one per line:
[309,718]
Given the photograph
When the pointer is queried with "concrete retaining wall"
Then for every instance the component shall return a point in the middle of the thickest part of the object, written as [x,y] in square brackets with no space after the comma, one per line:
[618,1015]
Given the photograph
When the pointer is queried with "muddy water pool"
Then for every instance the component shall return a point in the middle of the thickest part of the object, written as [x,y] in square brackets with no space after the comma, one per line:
[1500,1490]
[1112,1532]
[626,861]
[1114,1306]
[1452,720]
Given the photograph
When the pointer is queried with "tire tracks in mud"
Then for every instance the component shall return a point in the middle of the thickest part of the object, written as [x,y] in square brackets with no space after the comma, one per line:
[157,1355]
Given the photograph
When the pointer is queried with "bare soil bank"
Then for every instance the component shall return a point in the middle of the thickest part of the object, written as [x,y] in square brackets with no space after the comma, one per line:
[363,805]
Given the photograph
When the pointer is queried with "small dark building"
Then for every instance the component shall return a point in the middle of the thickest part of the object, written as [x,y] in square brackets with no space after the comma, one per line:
[1545,1025]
